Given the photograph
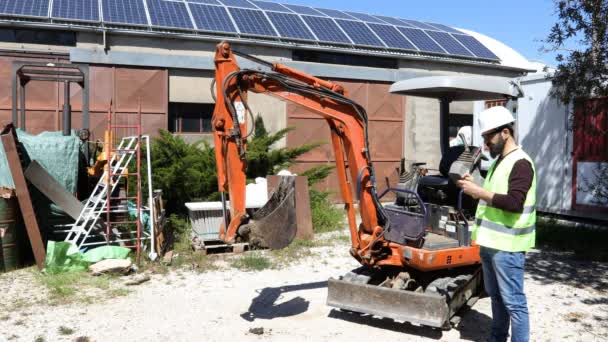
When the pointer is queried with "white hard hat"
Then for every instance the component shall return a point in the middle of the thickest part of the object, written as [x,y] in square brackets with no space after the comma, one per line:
[466,131]
[494,117]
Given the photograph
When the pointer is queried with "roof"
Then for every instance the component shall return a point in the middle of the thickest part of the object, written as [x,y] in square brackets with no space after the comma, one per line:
[292,26]
[457,88]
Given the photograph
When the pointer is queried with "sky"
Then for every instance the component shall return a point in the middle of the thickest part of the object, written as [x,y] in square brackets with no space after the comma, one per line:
[520,24]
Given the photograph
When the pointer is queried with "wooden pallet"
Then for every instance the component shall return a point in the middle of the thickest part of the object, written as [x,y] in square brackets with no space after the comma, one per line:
[220,247]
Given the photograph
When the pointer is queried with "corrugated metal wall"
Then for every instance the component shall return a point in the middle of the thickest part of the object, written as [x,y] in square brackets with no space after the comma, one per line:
[44,100]
[386,120]
[542,129]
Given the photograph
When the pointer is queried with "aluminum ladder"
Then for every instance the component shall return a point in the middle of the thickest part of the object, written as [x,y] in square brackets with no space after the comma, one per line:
[96,204]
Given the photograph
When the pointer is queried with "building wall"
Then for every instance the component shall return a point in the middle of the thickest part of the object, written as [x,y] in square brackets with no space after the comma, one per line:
[386,127]
[124,86]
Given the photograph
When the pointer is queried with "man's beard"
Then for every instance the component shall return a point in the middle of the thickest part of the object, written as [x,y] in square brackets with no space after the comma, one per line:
[496,149]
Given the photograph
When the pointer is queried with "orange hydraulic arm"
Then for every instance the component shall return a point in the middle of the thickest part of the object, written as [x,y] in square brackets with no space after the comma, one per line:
[347,121]
[347,133]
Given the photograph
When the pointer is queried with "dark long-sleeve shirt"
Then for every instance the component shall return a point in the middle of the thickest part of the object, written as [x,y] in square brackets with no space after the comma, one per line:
[520,181]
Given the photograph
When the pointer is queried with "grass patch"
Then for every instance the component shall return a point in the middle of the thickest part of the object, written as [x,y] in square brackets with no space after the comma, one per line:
[65,330]
[297,250]
[119,292]
[39,339]
[252,261]
[586,243]
[83,339]
[325,216]
[69,287]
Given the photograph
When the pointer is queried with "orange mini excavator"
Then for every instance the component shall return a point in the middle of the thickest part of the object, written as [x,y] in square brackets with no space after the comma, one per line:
[408,271]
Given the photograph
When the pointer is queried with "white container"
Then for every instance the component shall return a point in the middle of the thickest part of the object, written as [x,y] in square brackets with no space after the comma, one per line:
[206,218]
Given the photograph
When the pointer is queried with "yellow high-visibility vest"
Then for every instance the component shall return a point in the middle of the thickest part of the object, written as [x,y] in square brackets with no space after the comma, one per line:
[500,229]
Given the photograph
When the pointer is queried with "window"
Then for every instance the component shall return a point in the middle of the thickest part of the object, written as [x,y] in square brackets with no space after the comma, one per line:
[38,36]
[190,117]
[344,59]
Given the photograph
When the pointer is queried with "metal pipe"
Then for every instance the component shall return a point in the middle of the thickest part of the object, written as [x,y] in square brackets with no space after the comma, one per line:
[444,112]
[22,104]
[14,97]
[152,254]
[85,99]
[67,110]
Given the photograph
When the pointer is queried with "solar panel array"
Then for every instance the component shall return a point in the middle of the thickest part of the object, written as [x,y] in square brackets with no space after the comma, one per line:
[260,18]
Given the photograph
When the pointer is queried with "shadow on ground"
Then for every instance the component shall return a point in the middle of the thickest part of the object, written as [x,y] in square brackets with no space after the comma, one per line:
[474,326]
[549,267]
[263,306]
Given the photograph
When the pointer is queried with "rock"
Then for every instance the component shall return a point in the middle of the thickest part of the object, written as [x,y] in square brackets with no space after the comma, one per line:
[257,331]
[111,265]
[137,279]
[167,258]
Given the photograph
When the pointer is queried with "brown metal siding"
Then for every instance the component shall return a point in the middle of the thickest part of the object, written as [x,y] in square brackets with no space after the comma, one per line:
[44,100]
[386,132]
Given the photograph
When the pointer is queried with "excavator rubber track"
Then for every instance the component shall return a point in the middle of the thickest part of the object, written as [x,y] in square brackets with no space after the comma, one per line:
[434,305]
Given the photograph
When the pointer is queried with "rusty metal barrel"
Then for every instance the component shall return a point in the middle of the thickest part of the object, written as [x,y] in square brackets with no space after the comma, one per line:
[9,225]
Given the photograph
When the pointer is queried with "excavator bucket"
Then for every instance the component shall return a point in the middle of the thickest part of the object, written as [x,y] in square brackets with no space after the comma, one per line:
[274,226]
[434,307]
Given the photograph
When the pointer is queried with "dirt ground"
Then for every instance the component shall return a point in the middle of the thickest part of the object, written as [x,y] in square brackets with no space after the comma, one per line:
[568,301]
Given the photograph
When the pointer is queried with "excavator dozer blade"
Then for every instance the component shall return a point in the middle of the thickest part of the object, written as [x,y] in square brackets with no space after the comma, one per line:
[274,226]
[408,306]
[429,308]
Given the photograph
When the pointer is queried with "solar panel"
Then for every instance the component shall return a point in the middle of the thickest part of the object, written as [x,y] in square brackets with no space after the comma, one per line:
[475,46]
[238,3]
[445,28]
[252,22]
[326,29]
[30,8]
[303,10]
[421,40]
[366,17]
[417,24]
[451,45]
[290,25]
[335,13]
[169,14]
[86,10]
[124,12]
[393,21]
[271,6]
[359,33]
[211,18]
[391,36]
[208,2]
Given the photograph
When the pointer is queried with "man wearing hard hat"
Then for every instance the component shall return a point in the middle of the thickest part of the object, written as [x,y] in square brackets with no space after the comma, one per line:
[504,223]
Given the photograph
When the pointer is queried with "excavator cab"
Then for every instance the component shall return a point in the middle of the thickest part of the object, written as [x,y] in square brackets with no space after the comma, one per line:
[449,210]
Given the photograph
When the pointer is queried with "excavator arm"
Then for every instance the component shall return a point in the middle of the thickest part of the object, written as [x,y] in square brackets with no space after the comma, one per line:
[346,119]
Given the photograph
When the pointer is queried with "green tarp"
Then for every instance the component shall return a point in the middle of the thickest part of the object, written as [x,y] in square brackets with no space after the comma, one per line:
[58,154]
[65,257]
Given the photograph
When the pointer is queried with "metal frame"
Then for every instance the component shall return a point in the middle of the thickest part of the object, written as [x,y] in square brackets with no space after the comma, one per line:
[24,72]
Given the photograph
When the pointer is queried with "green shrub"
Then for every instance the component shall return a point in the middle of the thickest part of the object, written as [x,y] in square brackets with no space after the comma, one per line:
[185,172]
[325,216]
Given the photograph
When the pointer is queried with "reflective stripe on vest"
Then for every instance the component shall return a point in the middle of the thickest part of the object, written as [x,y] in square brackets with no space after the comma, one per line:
[500,229]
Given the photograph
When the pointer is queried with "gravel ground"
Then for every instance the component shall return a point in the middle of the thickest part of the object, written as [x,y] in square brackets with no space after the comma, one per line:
[568,301]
